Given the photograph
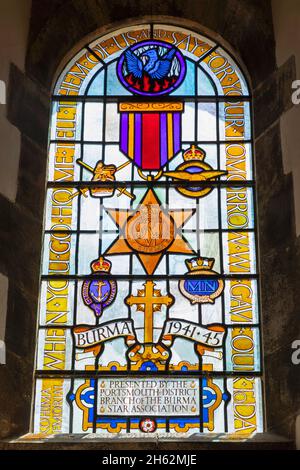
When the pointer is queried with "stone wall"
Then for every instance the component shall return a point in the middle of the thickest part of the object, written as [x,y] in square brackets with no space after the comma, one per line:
[60,27]
[14,26]
[286,19]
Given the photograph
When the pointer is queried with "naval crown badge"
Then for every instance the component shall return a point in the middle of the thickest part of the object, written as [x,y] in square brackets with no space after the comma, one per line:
[202,289]
[99,293]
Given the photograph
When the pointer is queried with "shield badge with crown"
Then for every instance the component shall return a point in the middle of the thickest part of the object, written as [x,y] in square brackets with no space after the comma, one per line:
[99,293]
[201,290]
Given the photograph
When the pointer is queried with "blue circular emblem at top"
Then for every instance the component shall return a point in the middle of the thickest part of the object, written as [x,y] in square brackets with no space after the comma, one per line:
[151,68]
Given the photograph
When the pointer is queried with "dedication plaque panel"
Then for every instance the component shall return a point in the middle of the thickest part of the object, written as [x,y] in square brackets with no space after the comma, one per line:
[151,397]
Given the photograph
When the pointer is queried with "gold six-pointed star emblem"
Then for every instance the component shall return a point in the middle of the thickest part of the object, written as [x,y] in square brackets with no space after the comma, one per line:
[150,231]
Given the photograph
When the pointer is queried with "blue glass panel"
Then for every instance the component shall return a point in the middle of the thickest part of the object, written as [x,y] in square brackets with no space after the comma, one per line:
[205,87]
[97,85]
[187,88]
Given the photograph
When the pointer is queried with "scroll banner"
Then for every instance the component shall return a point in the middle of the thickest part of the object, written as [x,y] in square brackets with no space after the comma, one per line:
[213,336]
[87,337]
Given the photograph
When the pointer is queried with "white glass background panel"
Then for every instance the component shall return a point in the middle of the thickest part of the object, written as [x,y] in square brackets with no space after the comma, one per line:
[179,201]
[90,213]
[208,211]
[120,264]
[93,121]
[114,156]
[177,263]
[107,224]
[112,129]
[212,313]
[114,351]
[211,155]
[183,350]
[88,250]
[207,124]
[210,247]
[188,119]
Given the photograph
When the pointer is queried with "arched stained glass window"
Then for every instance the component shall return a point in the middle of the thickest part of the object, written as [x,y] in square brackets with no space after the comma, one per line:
[149,309]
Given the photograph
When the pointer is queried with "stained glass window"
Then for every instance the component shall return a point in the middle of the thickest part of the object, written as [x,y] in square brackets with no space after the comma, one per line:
[149,305]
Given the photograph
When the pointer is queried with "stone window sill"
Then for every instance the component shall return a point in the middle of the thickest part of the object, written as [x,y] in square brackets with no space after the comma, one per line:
[197,441]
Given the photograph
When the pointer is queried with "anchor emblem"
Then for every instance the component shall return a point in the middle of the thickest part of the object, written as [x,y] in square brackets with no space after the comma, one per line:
[98,294]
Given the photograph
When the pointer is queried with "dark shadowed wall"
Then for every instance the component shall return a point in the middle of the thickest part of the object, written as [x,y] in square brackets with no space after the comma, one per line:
[60,26]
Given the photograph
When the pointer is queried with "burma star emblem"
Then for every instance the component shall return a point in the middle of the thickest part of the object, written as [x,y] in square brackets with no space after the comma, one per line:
[150,231]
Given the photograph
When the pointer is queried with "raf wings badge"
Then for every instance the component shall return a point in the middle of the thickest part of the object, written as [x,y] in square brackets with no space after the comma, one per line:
[195,170]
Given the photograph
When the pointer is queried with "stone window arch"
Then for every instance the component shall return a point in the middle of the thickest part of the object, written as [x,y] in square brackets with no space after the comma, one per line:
[174,310]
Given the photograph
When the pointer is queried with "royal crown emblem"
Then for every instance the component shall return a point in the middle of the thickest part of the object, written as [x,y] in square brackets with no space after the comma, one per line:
[99,293]
[101,265]
[194,153]
[201,290]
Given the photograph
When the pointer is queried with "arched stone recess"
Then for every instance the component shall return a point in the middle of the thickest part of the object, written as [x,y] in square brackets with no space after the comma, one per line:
[245,29]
